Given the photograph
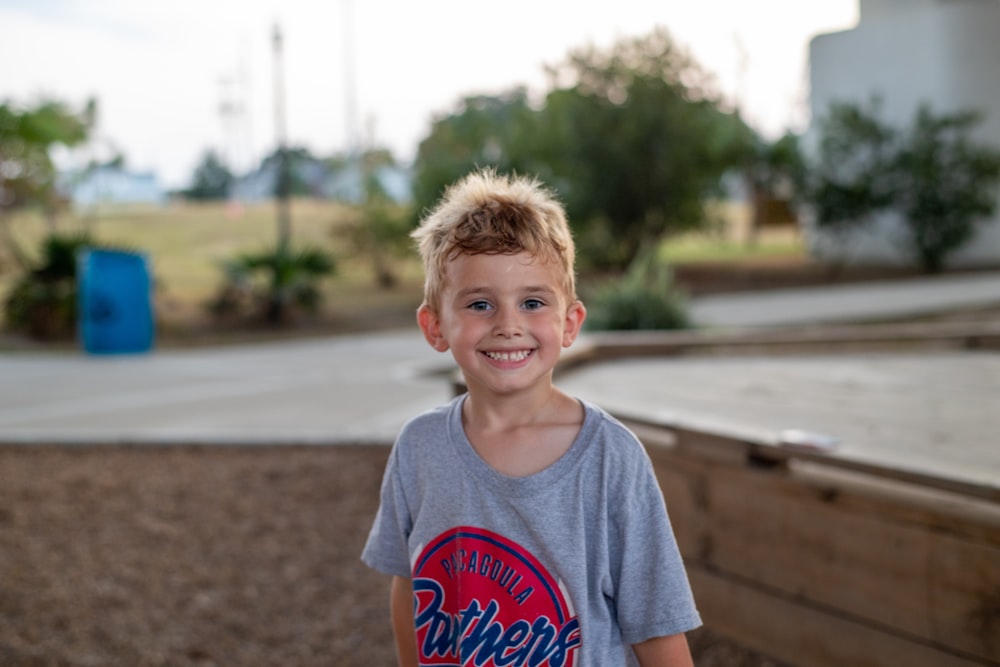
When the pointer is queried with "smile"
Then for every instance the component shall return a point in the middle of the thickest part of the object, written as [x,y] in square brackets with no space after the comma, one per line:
[513,355]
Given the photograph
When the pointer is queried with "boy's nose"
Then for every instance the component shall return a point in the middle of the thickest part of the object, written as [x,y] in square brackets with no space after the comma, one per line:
[507,323]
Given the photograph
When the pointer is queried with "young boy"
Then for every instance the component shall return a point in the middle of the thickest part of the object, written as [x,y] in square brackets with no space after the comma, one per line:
[521,526]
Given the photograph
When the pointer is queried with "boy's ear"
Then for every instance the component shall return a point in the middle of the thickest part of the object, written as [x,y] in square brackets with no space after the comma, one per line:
[431,326]
[575,316]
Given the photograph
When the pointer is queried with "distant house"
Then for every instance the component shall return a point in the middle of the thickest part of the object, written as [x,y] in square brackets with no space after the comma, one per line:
[945,53]
[111,185]
[344,183]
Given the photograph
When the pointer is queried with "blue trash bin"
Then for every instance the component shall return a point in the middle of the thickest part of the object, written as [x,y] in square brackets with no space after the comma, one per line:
[114,302]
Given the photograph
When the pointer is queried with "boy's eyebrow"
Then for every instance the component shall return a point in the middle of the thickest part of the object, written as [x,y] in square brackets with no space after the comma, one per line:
[468,292]
[533,289]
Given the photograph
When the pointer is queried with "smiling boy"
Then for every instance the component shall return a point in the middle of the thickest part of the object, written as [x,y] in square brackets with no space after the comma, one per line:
[521,526]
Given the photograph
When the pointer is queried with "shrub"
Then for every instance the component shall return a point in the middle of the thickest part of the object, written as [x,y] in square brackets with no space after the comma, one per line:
[42,303]
[644,298]
[273,284]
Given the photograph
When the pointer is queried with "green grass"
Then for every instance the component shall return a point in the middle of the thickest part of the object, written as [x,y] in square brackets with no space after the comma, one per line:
[702,248]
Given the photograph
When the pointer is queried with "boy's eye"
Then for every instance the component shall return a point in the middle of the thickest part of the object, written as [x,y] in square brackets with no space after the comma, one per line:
[479,305]
[533,304]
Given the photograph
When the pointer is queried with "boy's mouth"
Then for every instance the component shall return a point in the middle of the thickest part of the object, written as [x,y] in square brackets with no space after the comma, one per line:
[508,355]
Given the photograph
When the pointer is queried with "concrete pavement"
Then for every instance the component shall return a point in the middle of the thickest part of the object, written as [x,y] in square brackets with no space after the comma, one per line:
[337,390]
[346,389]
[848,303]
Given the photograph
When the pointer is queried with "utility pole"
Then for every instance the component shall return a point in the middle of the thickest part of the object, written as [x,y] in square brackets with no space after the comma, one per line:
[350,83]
[283,188]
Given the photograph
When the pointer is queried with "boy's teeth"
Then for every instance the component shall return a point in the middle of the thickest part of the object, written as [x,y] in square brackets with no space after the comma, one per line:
[508,356]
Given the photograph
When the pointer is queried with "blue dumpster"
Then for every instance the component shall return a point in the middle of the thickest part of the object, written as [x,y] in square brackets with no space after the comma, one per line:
[115,305]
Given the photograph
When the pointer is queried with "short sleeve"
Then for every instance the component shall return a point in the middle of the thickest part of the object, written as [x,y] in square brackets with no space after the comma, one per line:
[652,595]
[386,549]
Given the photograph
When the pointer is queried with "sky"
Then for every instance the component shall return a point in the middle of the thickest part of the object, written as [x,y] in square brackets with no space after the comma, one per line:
[174,79]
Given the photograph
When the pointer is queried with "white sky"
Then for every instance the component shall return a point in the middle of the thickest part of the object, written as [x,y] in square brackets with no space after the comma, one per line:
[160,72]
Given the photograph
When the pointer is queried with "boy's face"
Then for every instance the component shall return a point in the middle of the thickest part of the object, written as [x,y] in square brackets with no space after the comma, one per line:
[505,319]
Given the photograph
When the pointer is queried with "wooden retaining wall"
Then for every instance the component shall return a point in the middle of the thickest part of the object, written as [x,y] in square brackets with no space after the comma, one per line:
[820,566]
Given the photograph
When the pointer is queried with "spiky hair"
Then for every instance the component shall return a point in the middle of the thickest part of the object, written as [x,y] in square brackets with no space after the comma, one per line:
[493,214]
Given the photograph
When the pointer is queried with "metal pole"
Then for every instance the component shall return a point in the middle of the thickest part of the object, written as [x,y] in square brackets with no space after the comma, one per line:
[350,84]
[284,181]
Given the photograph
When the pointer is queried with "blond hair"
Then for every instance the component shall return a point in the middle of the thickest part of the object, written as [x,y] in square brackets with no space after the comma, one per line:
[487,213]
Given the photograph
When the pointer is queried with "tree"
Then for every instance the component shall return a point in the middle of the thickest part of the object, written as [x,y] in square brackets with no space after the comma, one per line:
[632,138]
[27,135]
[27,175]
[851,178]
[482,131]
[946,184]
[211,179]
[642,141]
[381,228]
[940,182]
[289,166]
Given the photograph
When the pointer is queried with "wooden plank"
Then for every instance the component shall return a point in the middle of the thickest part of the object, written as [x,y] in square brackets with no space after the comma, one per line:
[872,558]
[805,635]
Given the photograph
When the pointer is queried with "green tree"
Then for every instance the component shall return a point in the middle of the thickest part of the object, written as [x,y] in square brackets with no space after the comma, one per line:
[641,141]
[27,136]
[211,179]
[851,176]
[946,184]
[940,181]
[482,131]
[384,230]
[632,138]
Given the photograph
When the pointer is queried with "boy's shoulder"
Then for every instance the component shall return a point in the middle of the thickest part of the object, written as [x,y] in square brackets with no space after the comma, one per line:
[430,422]
[609,425]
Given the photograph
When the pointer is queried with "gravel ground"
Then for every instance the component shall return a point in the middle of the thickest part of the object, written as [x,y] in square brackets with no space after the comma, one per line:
[201,556]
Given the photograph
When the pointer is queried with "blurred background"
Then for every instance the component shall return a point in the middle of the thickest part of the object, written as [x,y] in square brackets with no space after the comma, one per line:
[268,159]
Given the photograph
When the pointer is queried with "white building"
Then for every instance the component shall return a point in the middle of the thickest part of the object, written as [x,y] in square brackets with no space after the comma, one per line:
[945,53]
[112,185]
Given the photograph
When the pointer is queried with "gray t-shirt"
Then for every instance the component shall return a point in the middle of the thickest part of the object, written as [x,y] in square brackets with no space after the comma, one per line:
[568,566]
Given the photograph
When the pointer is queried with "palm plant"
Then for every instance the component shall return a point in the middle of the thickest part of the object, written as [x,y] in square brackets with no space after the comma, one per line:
[274,283]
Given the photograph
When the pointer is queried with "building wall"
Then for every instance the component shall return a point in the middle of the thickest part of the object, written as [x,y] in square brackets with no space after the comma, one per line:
[112,185]
[945,53]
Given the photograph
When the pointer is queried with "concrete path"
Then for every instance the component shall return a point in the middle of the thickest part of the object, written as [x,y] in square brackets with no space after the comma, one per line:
[848,303]
[336,390]
[342,389]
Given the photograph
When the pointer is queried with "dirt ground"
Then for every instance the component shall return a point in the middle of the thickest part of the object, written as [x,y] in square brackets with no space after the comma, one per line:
[201,556]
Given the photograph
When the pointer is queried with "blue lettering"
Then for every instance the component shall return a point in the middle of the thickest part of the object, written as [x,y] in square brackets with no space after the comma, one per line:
[474,636]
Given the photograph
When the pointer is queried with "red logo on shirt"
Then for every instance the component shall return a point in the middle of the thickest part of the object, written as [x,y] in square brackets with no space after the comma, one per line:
[480,599]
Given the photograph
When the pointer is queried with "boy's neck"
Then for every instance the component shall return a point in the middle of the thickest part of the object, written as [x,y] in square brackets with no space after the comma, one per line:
[521,435]
[490,412]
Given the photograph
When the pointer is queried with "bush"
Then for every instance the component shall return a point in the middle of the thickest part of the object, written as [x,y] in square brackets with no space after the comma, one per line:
[273,284]
[644,298]
[42,303]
